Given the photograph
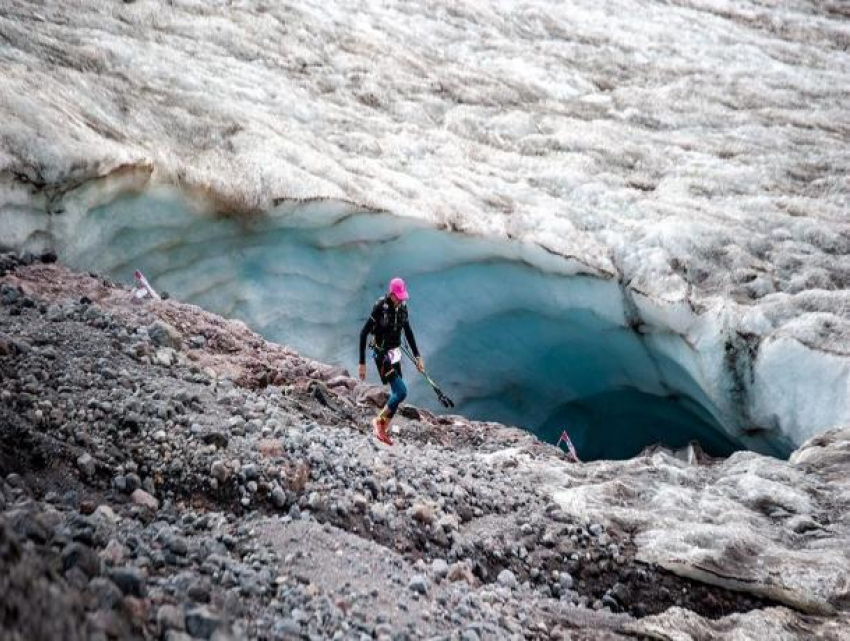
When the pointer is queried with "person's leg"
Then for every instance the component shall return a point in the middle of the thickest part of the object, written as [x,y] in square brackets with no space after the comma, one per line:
[399,390]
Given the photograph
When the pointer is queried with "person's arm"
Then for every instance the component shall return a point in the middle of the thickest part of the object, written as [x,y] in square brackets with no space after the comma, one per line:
[408,333]
[368,326]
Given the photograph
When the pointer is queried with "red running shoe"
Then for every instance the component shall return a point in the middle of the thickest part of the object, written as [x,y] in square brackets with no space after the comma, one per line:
[379,428]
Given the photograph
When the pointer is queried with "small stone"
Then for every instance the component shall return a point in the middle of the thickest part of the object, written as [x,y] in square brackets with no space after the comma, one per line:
[507,579]
[164,335]
[201,622]
[86,464]
[270,447]
[178,545]
[159,436]
[77,555]
[120,483]
[460,572]
[198,341]
[449,523]
[423,513]
[131,581]
[418,584]
[133,482]
[199,592]
[169,617]
[287,629]
[279,497]
[440,568]
[114,553]
[566,581]
[104,593]
[165,356]
[610,602]
[802,524]
[140,497]
[105,514]
[219,471]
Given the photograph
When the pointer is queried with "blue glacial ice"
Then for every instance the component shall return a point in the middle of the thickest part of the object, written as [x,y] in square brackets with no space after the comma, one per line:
[515,334]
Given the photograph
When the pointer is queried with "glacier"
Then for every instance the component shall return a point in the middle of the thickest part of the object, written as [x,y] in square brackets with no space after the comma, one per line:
[649,198]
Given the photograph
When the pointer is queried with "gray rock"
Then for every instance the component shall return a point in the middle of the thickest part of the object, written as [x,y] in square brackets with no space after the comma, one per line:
[803,523]
[86,464]
[164,335]
[507,579]
[440,568]
[104,593]
[133,482]
[279,497]
[198,341]
[219,471]
[77,555]
[10,295]
[287,629]
[199,592]
[140,497]
[470,634]
[170,617]
[131,581]
[120,483]
[620,592]
[201,622]
[565,580]
[178,545]
[418,584]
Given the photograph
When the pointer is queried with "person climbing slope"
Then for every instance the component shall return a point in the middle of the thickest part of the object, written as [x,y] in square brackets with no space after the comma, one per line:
[386,322]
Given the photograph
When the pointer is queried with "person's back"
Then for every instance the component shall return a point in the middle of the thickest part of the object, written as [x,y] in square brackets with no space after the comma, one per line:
[391,320]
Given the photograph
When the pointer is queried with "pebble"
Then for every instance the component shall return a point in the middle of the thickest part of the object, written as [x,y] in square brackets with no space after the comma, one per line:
[86,464]
[418,584]
[219,471]
[143,498]
[105,593]
[130,580]
[507,579]
[170,617]
[164,335]
[201,622]
[565,580]
[440,568]
[279,497]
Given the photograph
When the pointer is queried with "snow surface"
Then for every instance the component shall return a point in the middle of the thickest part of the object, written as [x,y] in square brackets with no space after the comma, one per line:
[694,151]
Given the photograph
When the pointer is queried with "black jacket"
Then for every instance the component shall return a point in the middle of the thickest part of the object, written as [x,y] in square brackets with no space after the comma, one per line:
[386,322]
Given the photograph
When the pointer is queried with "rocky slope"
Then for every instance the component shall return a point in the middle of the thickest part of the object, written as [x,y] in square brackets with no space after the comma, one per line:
[168,473]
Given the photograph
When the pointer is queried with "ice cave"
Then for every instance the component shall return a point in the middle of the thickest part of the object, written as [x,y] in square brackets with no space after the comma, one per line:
[516,334]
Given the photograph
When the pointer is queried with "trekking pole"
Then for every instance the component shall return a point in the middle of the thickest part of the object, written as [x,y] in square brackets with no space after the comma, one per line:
[445,400]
